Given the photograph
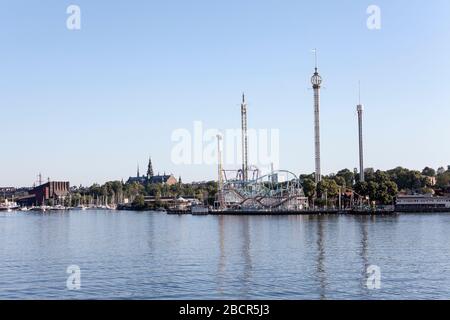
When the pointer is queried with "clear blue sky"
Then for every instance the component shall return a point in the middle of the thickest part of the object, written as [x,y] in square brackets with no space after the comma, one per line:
[86,106]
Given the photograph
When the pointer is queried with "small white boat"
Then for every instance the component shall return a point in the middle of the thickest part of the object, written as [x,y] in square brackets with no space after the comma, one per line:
[39,209]
[8,206]
[57,208]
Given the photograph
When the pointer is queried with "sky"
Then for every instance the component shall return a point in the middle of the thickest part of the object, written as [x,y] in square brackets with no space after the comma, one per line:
[88,105]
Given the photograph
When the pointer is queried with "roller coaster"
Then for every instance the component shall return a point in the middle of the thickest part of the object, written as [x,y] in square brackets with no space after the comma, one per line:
[278,191]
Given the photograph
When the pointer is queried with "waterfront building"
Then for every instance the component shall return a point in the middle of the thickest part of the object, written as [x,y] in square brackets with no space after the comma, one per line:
[419,203]
[7,190]
[11,192]
[56,191]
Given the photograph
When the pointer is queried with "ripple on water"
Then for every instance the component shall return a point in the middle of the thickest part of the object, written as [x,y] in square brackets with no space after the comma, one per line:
[156,256]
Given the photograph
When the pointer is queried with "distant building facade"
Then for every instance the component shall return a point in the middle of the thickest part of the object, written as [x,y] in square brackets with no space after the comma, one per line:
[181,203]
[431,181]
[53,190]
[421,203]
[153,179]
[11,192]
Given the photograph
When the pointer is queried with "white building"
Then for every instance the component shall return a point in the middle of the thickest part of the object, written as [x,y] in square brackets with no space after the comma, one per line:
[418,202]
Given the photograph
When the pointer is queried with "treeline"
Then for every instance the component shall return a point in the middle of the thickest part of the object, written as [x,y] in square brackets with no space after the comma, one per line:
[379,186]
[117,192]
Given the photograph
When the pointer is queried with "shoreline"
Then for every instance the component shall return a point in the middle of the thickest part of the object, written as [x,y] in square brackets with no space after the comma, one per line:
[330,212]
[311,212]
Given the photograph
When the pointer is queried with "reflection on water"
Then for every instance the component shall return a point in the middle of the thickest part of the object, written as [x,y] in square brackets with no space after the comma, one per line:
[364,252]
[247,259]
[321,273]
[222,256]
[155,256]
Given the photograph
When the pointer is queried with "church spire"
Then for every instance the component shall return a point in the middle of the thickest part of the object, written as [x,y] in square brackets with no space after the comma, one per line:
[138,174]
[150,169]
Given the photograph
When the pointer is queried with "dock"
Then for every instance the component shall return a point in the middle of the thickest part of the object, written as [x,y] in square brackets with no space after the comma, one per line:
[354,212]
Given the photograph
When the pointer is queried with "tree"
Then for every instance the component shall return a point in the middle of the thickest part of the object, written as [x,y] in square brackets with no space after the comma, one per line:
[443,180]
[328,187]
[199,195]
[362,188]
[133,189]
[368,173]
[407,179]
[139,202]
[429,172]
[340,181]
[378,188]
[309,188]
[348,176]
[307,176]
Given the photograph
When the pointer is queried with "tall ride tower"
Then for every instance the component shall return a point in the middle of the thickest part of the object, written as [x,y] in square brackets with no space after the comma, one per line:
[316,81]
[220,198]
[244,140]
[360,109]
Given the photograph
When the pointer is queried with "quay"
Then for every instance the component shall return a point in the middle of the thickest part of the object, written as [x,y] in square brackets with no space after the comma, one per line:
[356,212]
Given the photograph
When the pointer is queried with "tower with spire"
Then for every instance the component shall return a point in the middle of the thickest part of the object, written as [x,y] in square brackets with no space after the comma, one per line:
[150,178]
[316,81]
[150,169]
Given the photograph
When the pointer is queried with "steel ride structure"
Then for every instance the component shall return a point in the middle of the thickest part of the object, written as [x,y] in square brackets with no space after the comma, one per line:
[247,190]
[278,191]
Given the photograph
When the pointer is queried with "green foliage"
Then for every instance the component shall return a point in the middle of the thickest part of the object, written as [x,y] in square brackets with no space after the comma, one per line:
[309,187]
[407,179]
[139,202]
[347,176]
[429,172]
[379,187]
[443,179]
[327,187]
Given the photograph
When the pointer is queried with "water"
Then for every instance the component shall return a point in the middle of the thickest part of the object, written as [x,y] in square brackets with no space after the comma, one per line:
[130,255]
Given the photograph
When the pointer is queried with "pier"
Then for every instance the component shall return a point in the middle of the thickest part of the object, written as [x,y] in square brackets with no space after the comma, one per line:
[355,212]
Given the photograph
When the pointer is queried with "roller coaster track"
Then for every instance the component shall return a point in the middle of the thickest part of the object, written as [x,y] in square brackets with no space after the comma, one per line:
[266,192]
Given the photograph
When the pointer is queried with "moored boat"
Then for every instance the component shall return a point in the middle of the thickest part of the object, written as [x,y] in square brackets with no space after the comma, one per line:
[8,206]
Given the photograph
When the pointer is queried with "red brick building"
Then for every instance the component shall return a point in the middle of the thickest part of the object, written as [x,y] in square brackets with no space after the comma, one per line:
[53,190]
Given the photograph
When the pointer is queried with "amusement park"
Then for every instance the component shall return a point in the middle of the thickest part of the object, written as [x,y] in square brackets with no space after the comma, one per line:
[247,190]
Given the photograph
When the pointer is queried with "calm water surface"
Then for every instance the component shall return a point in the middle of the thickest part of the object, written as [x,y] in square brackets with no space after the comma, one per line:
[128,255]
